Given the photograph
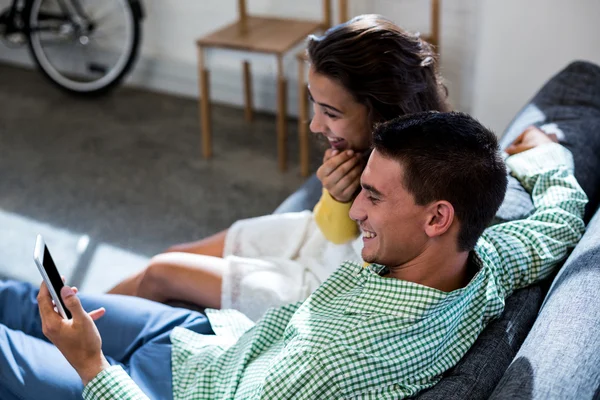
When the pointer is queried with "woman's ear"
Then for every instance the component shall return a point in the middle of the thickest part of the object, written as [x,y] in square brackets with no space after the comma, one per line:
[440,216]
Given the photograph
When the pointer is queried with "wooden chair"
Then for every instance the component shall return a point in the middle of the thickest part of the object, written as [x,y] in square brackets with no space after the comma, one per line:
[303,113]
[267,35]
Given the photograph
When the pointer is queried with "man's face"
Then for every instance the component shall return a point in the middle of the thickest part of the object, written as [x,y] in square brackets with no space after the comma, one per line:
[392,224]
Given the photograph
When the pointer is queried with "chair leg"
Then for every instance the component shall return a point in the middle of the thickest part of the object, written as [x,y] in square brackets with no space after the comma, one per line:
[281,115]
[303,120]
[205,117]
[249,108]
[282,123]
[343,11]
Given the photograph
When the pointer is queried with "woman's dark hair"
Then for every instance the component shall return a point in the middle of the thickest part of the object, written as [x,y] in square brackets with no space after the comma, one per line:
[387,69]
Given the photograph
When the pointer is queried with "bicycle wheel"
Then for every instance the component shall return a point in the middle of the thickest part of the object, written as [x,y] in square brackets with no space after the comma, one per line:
[83,46]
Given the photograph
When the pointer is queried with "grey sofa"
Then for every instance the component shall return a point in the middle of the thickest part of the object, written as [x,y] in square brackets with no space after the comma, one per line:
[546,345]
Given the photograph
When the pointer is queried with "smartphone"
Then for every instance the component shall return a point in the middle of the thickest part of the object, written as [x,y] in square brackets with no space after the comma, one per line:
[50,274]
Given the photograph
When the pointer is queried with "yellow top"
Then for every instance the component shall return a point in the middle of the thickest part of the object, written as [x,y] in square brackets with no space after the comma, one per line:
[333,220]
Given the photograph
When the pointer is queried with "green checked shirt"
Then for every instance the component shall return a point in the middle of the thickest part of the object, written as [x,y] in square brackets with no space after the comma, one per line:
[364,336]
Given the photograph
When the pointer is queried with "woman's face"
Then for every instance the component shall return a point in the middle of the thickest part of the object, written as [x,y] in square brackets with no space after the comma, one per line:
[338,116]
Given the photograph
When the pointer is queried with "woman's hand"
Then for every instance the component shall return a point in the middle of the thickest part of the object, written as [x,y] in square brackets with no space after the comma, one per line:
[340,173]
[530,138]
[77,339]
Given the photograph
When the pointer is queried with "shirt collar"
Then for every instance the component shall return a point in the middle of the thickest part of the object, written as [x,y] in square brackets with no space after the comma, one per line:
[400,298]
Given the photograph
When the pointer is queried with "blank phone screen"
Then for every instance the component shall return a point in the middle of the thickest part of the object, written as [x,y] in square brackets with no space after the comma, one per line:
[54,277]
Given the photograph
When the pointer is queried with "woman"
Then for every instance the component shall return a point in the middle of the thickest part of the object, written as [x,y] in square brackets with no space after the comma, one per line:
[363,72]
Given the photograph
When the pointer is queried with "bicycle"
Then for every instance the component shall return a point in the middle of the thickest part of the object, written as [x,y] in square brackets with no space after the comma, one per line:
[77,44]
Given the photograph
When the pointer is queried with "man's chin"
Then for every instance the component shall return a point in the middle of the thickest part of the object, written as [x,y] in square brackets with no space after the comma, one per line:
[369,258]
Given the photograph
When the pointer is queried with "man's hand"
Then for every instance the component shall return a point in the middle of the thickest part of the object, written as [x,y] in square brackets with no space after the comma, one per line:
[530,138]
[340,173]
[77,339]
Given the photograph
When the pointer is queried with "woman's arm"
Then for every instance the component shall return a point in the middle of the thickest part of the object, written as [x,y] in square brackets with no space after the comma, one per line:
[340,175]
[333,219]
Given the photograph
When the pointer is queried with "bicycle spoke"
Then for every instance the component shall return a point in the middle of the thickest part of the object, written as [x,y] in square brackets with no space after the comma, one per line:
[71,51]
[107,22]
[105,32]
[102,43]
[104,15]
[89,61]
[53,43]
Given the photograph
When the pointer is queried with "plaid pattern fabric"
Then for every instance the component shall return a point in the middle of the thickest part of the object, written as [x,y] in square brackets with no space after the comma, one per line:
[364,336]
[113,383]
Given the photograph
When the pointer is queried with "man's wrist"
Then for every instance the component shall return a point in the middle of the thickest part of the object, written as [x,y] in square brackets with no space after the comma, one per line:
[91,369]
[538,159]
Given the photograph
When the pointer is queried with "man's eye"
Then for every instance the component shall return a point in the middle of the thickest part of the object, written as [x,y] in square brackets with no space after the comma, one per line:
[372,199]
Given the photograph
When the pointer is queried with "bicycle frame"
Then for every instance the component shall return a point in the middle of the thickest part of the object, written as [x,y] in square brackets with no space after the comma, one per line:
[15,19]
[15,23]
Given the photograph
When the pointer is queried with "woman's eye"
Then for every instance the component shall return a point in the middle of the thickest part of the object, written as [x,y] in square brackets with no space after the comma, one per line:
[330,115]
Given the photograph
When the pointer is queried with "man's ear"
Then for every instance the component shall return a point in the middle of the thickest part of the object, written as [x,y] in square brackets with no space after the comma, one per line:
[440,216]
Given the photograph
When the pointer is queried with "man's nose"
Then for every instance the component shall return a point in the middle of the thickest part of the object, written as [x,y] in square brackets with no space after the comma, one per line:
[357,212]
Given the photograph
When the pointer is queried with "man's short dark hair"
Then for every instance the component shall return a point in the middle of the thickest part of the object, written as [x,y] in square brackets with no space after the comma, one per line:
[452,157]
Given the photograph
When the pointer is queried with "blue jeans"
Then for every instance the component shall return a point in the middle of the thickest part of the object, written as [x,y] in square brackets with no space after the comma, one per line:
[135,334]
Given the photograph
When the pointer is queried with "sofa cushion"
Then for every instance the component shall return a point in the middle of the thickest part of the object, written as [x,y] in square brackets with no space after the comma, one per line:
[560,359]
[482,367]
[570,102]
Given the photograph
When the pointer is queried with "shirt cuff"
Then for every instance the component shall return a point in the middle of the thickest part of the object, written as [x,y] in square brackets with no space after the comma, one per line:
[228,323]
[540,159]
[112,383]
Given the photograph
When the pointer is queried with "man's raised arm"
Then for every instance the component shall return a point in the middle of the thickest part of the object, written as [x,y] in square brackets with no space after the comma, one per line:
[524,251]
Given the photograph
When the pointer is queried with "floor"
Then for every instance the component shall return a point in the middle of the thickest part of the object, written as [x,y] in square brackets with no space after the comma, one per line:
[111,181]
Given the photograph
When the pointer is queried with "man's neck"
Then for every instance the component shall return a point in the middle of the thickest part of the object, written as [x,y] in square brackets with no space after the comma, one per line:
[442,268]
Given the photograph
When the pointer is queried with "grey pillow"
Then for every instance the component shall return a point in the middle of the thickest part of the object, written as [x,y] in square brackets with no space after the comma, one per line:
[570,103]
[517,203]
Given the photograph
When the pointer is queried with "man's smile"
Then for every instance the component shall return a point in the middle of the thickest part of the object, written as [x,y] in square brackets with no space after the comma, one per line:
[368,234]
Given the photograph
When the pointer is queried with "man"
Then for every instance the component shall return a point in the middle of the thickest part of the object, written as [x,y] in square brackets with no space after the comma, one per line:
[388,329]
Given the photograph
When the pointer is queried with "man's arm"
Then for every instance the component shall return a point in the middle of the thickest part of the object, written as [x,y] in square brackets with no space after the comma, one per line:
[522,252]
[113,383]
[79,341]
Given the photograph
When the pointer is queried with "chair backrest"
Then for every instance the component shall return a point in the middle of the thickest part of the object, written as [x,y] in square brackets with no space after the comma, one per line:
[326,4]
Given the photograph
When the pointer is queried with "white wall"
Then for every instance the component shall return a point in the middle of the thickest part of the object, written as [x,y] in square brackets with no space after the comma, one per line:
[168,57]
[522,44]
